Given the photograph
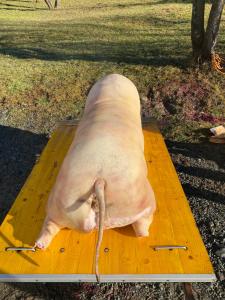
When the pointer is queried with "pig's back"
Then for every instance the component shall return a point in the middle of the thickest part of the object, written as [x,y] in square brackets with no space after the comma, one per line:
[109,140]
[110,143]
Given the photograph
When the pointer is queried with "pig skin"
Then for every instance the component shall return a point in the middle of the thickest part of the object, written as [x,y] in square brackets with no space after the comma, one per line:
[108,147]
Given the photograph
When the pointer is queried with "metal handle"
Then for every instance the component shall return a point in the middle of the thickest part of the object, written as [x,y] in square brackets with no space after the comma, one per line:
[170,247]
[33,249]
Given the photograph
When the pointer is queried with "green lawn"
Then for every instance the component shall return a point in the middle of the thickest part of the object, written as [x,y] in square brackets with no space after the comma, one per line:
[49,59]
[131,32]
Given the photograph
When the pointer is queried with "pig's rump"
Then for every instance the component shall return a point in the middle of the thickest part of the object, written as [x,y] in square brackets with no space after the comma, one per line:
[119,160]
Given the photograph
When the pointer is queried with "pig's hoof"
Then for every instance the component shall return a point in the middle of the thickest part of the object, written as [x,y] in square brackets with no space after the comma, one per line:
[43,242]
[39,245]
[142,234]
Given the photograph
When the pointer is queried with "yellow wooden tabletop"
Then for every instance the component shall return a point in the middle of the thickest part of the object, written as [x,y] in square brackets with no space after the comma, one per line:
[123,257]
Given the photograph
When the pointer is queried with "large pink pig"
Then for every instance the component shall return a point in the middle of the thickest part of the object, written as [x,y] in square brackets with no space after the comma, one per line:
[103,180]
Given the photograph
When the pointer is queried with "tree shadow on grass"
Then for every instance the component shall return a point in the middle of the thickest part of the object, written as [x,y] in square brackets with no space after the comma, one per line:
[8,6]
[107,43]
[118,38]
[173,1]
[103,52]
[136,4]
[18,154]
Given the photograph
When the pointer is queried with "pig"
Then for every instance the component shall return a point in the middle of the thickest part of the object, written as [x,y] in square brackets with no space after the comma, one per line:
[102,182]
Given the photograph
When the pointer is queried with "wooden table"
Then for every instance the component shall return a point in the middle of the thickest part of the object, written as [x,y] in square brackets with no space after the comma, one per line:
[123,257]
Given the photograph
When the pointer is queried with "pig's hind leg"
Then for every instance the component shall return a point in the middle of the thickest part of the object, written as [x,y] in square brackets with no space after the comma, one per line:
[141,226]
[48,232]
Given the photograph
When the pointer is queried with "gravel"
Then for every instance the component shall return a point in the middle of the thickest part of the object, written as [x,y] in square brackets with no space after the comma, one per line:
[201,169]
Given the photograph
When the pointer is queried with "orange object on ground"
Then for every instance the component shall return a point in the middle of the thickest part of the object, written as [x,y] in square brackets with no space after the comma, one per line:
[218,63]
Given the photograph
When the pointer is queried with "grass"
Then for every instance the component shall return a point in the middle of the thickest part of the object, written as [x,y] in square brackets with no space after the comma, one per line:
[49,59]
[133,33]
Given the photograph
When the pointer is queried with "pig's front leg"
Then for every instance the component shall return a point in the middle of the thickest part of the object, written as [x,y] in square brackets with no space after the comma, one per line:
[141,226]
[49,230]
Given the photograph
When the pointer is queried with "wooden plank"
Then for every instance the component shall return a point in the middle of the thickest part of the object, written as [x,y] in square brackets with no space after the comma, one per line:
[70,257]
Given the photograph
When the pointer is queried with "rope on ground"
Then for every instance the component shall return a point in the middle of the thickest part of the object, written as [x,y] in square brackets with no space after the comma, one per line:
[218,63]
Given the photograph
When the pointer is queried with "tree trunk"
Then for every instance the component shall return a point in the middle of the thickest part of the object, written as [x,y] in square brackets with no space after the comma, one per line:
[212,29]
[197,28]
[48,2]
[57,3]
